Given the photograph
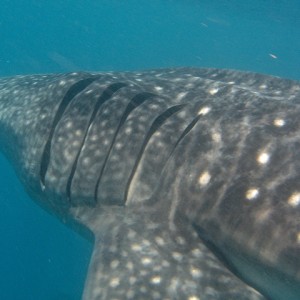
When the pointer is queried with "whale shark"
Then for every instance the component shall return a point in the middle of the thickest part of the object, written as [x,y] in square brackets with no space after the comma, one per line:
[186,180]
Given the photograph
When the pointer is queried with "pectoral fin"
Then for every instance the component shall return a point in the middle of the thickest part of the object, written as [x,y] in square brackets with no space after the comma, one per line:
[138,260]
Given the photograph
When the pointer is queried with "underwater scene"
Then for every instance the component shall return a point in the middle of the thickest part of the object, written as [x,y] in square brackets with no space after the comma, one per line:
[40,257]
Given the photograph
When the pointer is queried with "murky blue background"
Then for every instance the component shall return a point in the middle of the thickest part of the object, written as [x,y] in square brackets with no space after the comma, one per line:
[39,257]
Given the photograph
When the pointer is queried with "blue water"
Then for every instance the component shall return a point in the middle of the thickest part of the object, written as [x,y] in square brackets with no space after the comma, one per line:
[39,257]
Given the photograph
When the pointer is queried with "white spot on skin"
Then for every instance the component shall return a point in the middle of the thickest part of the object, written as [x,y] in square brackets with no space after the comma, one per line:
[69,124]
[197,253]
[279,122]
[154,106]
[118,146]
[298,237]
[156,279]
[189,85]
[216,137]
[182,114]
[114,282]
[146,261]
[213,91]
[76,144]
[196,273]
[204,178]
[159,240]
[194,298]
[251,194]
[165,264]
[78,132]
[94,137]
[204,110]
[136,247]
[128,130]
[86,161]
[181,95]
[177,256]
[263,158]
[145,243]
[129,265]
[132,280]
[263,215]
[114,264]
[131,234]
[180,240]
[158,88]
[130,294]
[294,199]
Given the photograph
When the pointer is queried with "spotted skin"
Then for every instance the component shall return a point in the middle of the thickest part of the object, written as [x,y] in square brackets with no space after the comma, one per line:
[187,180]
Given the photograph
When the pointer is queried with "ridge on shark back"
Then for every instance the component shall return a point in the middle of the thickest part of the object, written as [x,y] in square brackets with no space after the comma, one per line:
[188,179]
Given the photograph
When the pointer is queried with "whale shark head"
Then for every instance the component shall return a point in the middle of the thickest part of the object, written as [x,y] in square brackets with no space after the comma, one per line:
[188,179]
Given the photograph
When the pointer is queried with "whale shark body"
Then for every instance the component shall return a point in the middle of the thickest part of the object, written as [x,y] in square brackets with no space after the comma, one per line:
[187,180]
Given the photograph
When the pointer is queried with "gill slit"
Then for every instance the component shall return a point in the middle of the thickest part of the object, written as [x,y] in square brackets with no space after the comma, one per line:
[72,92]
[105,96]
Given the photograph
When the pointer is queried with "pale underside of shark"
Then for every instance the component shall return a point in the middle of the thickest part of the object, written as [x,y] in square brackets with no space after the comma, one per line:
[187,179]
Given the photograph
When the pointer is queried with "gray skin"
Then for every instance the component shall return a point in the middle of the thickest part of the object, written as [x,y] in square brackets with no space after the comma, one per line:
[187,180]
